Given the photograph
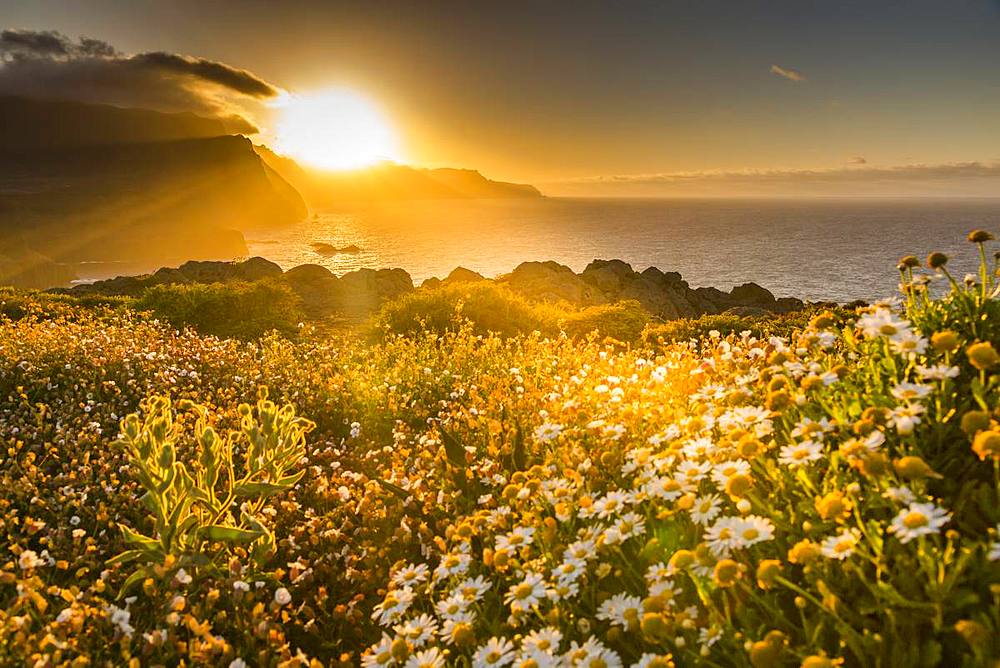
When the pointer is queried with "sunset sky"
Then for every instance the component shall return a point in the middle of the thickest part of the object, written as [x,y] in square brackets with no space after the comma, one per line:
[603,98]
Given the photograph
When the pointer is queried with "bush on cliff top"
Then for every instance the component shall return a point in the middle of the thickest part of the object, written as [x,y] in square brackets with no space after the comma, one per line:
[236,309]
[492,308]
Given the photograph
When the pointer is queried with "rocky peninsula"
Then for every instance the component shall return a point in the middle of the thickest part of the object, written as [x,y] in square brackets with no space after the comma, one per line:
[664,294]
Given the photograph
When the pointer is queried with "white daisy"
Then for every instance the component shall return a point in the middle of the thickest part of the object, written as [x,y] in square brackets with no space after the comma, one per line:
[840,546]
[798,454]
[919,519]
[705,508]
[526,595]
[496,652]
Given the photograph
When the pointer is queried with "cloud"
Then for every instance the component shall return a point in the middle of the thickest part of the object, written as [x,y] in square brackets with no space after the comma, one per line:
[960,178]
[50,44]
[788,73]
[49,64]
[857,160]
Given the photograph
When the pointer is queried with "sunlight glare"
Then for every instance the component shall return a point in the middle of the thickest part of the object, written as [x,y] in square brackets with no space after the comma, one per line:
[334,129]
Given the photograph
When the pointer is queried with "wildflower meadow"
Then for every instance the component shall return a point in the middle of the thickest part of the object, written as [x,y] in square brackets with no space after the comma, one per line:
[825,495]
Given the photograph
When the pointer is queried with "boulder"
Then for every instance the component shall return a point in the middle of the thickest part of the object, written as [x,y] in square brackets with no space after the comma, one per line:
[750,294]
[309,273]
[551,281]
[209,271]
[431,283]
[366,289]
[316,286]
[256,268]
[788,304]
[463,275]
[609,276]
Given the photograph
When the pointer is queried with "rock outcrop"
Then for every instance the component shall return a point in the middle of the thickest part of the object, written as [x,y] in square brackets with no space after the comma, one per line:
[194,271]
[322,293]
[664,294]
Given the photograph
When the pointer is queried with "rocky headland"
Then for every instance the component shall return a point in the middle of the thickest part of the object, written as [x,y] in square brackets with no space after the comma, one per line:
[665,295]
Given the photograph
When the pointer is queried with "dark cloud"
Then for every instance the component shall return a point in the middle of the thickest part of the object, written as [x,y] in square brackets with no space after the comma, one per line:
[50,44]
[240,81]
[42,43]
[49,64]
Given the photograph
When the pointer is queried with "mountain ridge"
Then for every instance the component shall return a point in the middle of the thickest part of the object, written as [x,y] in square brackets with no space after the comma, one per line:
[389,181]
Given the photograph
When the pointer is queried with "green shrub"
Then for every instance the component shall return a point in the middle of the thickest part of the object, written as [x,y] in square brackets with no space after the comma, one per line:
[761,326]
[489,307]
[17,303]
[492,308]
[235,309]
[624,321]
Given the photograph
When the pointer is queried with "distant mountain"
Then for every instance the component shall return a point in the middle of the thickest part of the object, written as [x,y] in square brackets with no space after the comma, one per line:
[389,181]
[127,194]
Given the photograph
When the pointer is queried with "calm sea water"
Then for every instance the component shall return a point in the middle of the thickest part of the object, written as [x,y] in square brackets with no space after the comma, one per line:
[820,250]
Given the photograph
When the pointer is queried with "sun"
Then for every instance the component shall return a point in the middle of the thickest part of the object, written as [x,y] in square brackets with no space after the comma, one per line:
[334,129]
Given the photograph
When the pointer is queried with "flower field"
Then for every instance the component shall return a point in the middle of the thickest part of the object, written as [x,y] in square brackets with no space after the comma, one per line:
[823,498]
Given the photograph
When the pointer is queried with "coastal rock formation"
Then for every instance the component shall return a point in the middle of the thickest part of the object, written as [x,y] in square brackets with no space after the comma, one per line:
[551,281]
[664,294]
[463,275]
[322,293]
[194,271]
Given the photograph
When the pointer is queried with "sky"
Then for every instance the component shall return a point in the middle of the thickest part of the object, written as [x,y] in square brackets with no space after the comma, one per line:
[638,98]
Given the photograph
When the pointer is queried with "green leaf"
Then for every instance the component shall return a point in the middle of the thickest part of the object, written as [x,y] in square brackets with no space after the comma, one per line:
[129,555]
[132,581]
[225,534]
[136,538]
[245,489]
[394,489]
[519,455]
[454,450]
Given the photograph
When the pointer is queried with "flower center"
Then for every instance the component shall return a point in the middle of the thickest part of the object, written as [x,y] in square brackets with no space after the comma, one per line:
[915,520]
[523,591]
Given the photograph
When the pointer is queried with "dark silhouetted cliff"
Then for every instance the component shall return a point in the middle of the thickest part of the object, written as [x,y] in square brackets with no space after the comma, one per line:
[141,202]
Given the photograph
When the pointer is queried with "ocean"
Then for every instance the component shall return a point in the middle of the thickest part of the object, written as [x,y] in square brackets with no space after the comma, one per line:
[836,250]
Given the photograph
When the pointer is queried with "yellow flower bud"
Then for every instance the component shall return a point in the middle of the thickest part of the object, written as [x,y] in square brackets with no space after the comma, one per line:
[914,468]
[727,572]
[987,444]
[944,341]
[767,571]
[982,355]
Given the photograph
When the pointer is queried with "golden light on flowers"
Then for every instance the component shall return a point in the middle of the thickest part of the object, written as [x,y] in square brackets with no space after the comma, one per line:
[335,129]
[603,559]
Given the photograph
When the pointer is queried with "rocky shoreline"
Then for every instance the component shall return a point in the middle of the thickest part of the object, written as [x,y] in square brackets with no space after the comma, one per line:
[665,295]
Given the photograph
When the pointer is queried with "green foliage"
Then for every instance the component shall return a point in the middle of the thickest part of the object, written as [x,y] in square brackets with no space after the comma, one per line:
[492,308]
[686,329]
[623,321]
[236,309]
[16,304]
[192,505]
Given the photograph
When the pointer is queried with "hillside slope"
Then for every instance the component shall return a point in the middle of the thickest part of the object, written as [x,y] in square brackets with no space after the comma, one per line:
[102,184]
